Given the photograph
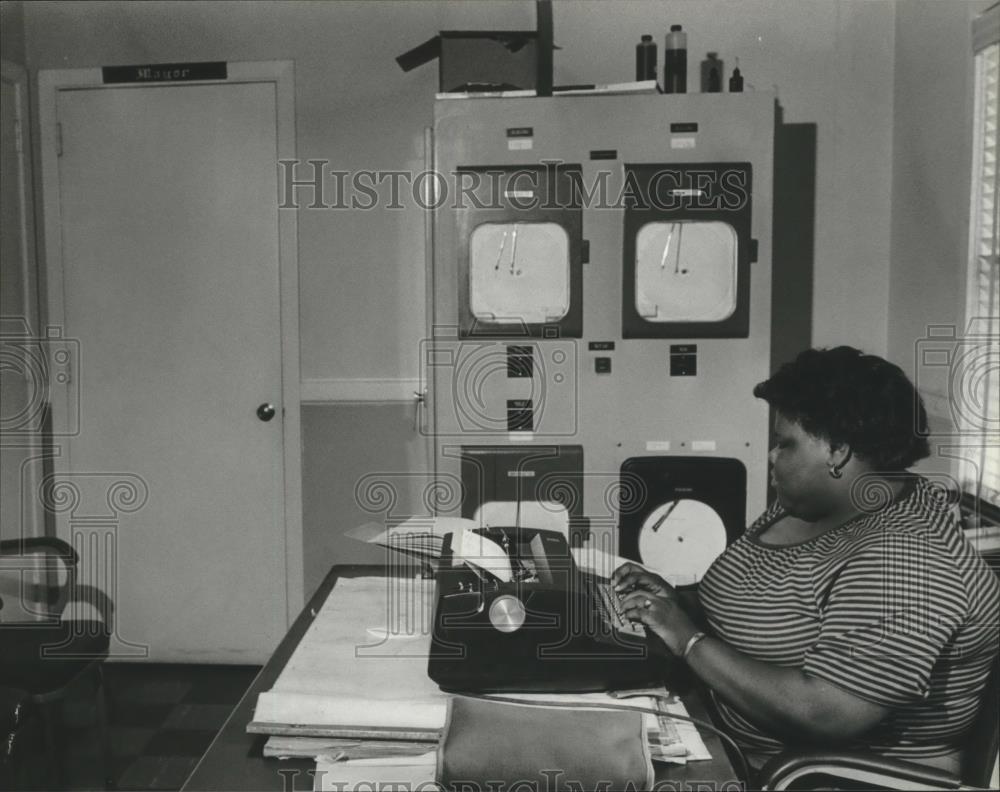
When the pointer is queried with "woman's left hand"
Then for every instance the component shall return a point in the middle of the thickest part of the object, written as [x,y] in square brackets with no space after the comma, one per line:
[661,613]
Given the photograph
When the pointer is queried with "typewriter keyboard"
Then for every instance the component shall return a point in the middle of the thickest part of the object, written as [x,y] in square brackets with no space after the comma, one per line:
[609,603]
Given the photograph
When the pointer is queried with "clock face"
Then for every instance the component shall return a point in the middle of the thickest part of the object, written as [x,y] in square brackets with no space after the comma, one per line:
[685,271]
[519,272]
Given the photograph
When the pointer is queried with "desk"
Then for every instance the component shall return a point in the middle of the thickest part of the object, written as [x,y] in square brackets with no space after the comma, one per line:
[234,760]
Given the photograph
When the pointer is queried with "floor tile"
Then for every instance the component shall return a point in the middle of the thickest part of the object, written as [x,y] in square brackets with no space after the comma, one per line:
[220,687]
[176,742]
[79,738]
[119,764]
[157,691]
[79,710]
[198,716]
[130,740]
[157,772]
[82,765]
[162,719]
[130,713]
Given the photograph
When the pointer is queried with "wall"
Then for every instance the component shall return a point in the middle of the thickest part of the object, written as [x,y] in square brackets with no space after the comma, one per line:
[831,63]
[19,402]
[14,387]
[12,31]
[828,60]
[932,160]
[362,272]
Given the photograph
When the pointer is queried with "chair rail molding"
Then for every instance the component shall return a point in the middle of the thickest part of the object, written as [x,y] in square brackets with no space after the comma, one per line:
[361,389]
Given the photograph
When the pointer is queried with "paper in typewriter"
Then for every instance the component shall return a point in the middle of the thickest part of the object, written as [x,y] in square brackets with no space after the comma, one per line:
[423,537]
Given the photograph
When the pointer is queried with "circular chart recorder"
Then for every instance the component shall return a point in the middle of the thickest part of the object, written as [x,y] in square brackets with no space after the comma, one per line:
[680,539]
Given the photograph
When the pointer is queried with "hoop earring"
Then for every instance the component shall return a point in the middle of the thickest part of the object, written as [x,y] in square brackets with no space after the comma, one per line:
[837,471]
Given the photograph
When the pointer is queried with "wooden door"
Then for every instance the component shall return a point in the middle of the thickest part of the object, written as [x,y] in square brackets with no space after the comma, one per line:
[173,479]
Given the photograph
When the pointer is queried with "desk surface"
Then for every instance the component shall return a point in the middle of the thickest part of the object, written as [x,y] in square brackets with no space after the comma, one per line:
[234,760]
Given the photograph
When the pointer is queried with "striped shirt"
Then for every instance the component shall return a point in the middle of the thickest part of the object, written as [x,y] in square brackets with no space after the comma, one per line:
[894,606]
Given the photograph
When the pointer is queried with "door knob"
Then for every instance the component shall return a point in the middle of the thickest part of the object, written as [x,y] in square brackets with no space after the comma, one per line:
[265,412]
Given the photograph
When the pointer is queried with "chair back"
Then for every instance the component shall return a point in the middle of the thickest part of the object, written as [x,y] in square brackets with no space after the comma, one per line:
[37,578]
[983,743]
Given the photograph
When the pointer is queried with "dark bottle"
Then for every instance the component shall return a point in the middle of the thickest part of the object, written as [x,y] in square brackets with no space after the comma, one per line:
[711,74]
[645,59]
[736,81]
[675,61]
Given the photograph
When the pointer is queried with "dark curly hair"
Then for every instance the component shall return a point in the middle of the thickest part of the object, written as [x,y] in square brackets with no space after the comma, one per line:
[845,396]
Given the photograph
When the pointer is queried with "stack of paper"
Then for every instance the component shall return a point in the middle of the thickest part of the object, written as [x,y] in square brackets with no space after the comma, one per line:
[404,772]
[360,670]
[335,748]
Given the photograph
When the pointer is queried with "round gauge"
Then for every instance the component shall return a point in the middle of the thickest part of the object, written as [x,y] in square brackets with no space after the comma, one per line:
[680,539]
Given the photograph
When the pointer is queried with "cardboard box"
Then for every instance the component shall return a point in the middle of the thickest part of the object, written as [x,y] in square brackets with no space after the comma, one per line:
[485,60]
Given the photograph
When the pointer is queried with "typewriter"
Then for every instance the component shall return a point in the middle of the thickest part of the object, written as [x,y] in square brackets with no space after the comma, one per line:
[550,628]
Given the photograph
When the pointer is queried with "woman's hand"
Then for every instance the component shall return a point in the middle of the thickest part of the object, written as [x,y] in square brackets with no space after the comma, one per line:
[649,599]
[632,576]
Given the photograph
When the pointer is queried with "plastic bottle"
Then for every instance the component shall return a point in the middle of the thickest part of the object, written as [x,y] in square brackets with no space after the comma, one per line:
[675,61]
[711,73]
[736,81]
[645,59]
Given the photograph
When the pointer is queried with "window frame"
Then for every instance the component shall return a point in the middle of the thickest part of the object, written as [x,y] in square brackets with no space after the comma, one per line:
[979,465]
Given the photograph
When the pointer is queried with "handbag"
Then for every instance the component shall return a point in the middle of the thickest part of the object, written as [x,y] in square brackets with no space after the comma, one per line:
[504,747]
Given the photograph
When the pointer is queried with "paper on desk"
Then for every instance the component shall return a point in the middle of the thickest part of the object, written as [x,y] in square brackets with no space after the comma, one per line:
[282,747]
[687,731]
[406,772]
[428,757]
[340,676]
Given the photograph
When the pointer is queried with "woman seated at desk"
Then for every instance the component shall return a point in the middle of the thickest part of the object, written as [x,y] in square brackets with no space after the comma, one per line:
[853,612]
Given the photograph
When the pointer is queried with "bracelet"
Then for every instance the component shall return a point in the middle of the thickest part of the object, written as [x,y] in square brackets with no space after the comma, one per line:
[692,641]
